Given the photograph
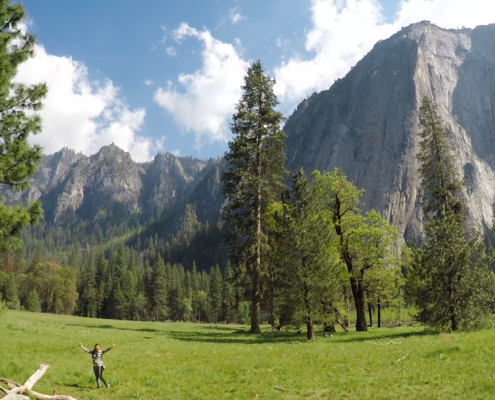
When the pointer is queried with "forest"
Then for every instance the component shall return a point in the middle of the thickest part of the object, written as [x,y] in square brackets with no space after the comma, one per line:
[292,248]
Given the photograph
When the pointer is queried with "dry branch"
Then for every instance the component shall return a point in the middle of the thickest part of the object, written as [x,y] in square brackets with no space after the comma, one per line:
[18,392]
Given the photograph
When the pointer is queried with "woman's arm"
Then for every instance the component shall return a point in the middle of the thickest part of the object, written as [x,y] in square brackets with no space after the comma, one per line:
[84,348]
[110,348]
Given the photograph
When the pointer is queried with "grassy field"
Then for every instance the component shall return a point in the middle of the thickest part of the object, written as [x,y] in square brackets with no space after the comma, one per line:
[190,361]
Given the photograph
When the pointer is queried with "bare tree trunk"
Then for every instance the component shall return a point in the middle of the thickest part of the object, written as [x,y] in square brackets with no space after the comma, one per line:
[256,279]
[370,313]
[255,303]
[358,294]
[310,332]
[272,316]
[379,312]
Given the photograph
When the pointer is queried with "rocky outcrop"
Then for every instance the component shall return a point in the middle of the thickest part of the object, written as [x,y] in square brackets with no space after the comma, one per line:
[367,122]
[72,186]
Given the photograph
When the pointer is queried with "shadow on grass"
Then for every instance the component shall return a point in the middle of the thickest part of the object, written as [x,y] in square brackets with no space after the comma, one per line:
[106,326]
[243,337]
[237,337]
[75,385]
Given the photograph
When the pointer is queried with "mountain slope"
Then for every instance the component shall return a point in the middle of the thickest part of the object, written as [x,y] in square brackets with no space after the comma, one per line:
[366,123]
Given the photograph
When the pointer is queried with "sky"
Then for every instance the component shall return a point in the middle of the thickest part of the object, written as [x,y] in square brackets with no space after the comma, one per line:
[165,75]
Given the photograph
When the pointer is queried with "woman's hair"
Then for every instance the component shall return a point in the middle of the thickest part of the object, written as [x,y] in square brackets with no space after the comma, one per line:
[96,345]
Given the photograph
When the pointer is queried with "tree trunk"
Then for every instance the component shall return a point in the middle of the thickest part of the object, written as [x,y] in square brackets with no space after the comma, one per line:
[310,333]
[255,303]
[379,313]
[453,319]
[255,291]
[272,316]
[358,294]
[370,313]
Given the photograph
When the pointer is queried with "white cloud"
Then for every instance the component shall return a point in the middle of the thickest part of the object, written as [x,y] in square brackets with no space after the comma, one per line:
[344,31]
[171,51]
[149,82]
[234,15]
[81,114]
[210,93]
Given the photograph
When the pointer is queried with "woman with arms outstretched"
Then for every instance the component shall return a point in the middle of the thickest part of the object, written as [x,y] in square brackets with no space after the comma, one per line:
[98,366]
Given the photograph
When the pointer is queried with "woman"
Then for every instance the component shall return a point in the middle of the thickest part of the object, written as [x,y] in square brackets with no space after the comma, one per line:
[98,366]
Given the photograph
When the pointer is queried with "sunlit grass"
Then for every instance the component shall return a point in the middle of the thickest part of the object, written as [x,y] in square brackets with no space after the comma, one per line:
[194,361]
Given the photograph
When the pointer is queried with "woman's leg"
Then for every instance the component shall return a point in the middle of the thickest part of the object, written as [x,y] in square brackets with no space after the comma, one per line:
[97,372]
[101,377]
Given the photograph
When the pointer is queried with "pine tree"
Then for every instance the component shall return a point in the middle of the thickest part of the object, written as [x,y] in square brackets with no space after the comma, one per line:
[18,159]
[449,278]
[33,301]
[312,272]
[229,303]
[440,180]
[215,294]
[160,291]
[254,177]
[11,298]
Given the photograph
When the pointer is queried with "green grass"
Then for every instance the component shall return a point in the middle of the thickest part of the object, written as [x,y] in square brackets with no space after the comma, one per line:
[190,361]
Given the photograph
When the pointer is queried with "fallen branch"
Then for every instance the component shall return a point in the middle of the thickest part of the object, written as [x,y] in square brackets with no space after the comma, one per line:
[19,392]
[384,344]
[400,359]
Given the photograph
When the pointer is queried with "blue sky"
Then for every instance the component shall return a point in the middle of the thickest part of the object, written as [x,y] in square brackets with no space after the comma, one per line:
[164,75]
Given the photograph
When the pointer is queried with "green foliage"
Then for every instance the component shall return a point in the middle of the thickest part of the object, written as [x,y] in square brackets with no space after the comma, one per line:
[449,279]
[254,178]
[3,307]
[10,296]
[439,177]
[33,301]
[367,244]
[18,159]
[312,269]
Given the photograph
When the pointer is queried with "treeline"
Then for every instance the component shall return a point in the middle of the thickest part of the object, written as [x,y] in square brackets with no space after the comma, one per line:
[123,285]
[302,253]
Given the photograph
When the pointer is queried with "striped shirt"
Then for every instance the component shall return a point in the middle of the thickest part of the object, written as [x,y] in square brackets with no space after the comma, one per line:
[96,355]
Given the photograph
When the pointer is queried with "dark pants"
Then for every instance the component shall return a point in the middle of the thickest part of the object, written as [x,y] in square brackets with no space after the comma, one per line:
[99,375]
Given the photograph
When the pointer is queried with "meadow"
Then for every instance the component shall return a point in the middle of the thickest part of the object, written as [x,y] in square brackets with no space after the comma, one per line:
[194,361]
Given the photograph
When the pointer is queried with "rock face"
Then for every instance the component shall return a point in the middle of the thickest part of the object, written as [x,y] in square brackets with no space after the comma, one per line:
[72,186]
[367,123]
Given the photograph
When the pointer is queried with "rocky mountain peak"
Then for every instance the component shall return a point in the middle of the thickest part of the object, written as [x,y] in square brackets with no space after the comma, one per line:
[367,122]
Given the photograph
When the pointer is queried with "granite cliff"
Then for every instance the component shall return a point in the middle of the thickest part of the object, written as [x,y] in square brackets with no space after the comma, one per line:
[366,123]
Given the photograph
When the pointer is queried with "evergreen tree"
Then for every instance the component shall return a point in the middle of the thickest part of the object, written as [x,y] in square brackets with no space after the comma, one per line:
[215,294]
[229,303]
[440,180]
[33,301]
[312,270]
[160,290]
[449,279]
[18,159]
[253,178]
[11,298]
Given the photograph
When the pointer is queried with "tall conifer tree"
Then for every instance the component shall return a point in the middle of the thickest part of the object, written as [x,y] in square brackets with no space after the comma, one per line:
[254,177]
[449,279]
[18,159]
